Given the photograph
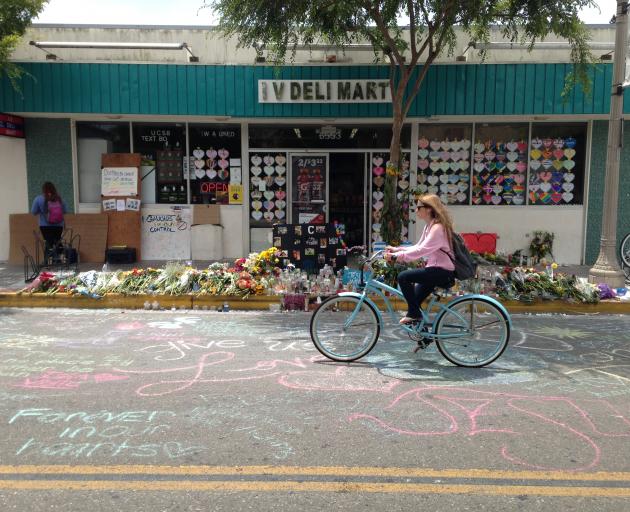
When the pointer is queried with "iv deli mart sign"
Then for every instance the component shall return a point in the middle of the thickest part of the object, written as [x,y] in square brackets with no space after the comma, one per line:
[324,91]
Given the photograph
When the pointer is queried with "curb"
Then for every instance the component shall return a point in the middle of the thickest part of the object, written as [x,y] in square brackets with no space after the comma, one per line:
[258,303]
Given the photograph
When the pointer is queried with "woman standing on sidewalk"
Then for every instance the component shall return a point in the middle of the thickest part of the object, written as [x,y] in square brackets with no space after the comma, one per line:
[50,208]
[434,246]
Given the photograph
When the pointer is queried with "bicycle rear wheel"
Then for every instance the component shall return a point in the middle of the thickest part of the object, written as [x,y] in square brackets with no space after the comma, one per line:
[624,251]
[344,328]
[476,332]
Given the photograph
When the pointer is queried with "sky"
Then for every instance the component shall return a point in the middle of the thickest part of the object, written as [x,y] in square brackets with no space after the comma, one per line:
[185,12]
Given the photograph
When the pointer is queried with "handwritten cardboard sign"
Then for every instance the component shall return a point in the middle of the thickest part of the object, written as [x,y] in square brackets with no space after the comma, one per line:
[119,181]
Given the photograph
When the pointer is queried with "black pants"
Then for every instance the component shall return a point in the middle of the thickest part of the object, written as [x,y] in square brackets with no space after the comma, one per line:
[417,284]
[52,236]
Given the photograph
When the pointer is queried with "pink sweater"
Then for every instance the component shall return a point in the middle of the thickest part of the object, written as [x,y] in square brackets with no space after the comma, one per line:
[430,245]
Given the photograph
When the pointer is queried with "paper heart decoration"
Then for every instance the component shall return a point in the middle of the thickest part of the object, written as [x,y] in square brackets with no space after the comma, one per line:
[445,166]
[280,204]
[545,176]
[547,164]
[432,180]
[445,144]
[511,146]
[377,195]
[567,197]
[434,155]
[569,176]
[210,163]
[281,159]
[545,197]
[569,164]
[269,216]
[376,226]
[377,161]
[379,181]
[211,173]
[377,216]
[496,200]
[507,197]
[433,189]
[403,184]
[476,199]
[443,178]
[568,187]
[423,143]
[464,164]
[281,169]
[518,199]
[445,199]
[537,143]
[512,156]
[569,153]
[478,157]
[464,177]
[489,155]
[570,142]
[501,157]
[434,145]
[462,187]
[199,153]
[423,188]
[479,147]
[453,178]
[454,155]
[256,194]
[255,171]
[269,170]
[452,188]
[461,197]
[376,237]
[268,159]
[269,194]
[257,205]
[423,164]
[200,173]
[280,181]
[547,154]
[464,143]
[487,198]
[455,145]
[268,205]
[478,166]
[280,214]
[545,187]
[497,189]
[547,142]
[558,154]
[257,215]
[378,171]
[281,194]
[378,205]
[223,174]
[535,154]
[435,166]
[445,155]
[519,178]
[464,155]
[211,153]
[556,187]
[223,153]
[200,164]
[256,160]
[423,153]
[224,164]
[511,166]
[444,188]
[557,164]
[256,181]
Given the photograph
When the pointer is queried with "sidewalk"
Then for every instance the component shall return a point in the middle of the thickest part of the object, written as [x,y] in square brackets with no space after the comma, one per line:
[12,280]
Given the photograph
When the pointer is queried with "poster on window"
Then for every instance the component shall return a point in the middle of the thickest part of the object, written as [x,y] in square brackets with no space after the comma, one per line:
[267,188]
[119,181]
[556,164]
[309,174]
[444,158]
[378,166]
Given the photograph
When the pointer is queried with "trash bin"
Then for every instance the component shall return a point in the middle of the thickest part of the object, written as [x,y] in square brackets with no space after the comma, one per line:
[206,241]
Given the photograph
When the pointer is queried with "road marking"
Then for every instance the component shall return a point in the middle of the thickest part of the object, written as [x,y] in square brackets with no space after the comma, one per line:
[359,471]
[231,486]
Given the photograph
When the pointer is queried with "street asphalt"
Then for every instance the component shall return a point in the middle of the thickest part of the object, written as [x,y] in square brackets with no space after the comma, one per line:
[194,410]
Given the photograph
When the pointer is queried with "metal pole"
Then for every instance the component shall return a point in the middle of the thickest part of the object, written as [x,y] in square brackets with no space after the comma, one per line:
[606,268]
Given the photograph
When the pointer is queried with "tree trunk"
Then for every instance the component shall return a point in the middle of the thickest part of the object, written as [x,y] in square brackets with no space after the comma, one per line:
[392,218]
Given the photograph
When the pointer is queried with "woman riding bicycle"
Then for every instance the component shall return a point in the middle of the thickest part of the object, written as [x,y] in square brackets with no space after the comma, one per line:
[435,247]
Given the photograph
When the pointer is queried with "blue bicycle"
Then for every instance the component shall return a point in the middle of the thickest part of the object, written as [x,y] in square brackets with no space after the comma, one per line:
[470,330]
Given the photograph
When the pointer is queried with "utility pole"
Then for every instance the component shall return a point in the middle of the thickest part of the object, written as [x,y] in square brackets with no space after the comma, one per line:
[606,268]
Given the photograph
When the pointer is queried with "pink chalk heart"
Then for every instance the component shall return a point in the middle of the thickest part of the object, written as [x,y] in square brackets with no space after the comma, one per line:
[519,178]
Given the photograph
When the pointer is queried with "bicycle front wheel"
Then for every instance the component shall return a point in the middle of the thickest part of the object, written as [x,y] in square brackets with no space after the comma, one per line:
[344,328]
[473,332]
[624,251]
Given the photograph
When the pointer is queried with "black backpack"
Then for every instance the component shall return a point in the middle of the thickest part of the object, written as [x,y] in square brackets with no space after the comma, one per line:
[465,265]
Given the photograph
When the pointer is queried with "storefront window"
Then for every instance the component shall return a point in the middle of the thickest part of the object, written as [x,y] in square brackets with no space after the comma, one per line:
[444,161]
[267,188]
[556,163]
[93,140]
[162,147]
[325,137]
[215,163]
[500,164]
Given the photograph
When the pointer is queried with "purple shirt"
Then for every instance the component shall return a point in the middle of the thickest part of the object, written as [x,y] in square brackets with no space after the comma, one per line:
[430,245]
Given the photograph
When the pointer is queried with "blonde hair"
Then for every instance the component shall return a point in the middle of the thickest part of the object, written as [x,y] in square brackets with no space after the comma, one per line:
[440,214]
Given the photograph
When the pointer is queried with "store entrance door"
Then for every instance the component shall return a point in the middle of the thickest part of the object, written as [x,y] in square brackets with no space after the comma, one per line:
[347,195]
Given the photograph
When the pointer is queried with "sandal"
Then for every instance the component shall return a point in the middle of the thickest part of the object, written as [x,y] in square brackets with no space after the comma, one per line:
[405,320]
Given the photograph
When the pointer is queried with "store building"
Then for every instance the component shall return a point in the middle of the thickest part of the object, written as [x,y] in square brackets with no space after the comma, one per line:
[308,142]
